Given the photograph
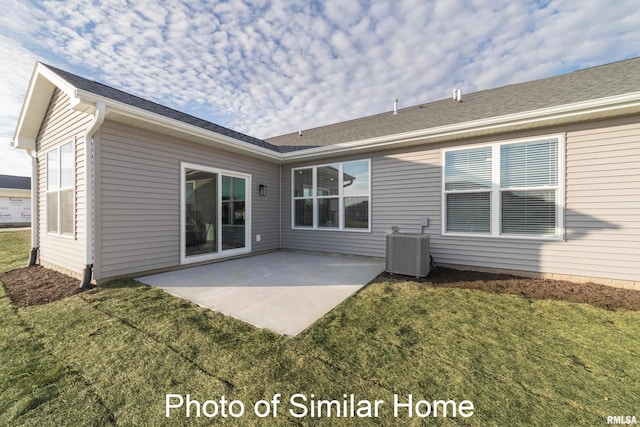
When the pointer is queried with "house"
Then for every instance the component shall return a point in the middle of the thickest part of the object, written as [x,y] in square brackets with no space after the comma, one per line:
[15,201]
[539,178]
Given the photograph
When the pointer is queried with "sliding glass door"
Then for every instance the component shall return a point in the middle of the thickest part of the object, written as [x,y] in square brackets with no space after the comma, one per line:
[201,212]
[233,212]
[214,213]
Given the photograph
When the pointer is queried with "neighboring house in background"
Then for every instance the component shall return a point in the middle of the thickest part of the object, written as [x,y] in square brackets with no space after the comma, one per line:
[15,201]
[539,178]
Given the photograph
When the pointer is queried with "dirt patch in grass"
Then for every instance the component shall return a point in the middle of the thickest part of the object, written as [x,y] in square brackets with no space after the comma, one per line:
[38,285]
[597,295]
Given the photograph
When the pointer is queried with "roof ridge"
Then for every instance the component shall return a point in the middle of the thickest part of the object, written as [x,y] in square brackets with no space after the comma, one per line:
[555,90]
[477,92]
[570,87]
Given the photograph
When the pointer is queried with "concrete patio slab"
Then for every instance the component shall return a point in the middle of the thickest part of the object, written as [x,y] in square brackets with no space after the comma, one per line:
[282,291]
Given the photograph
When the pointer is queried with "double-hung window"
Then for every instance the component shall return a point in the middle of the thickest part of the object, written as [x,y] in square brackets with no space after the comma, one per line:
[60,195]
[507,189]
[529,188]
[332,197]
[467,184]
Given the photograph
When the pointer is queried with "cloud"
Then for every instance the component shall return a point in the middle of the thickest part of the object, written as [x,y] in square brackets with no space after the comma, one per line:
[270,67]
[344,14]
[15,68]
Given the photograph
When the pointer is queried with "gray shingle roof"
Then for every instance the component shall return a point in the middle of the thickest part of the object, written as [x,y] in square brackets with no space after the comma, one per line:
[592,83]
[15,182]
[135,101]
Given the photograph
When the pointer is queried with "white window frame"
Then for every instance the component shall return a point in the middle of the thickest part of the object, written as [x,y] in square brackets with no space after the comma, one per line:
[496,190]
[59,189]
[340,196]
[220,253]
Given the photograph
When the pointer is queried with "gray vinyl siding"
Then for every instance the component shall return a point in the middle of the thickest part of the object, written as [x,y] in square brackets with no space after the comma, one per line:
[602,210]
[138,198]
[62,125]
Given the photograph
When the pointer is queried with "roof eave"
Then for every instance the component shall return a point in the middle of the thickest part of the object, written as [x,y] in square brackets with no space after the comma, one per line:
[562,114]
[44,81]
[88,99]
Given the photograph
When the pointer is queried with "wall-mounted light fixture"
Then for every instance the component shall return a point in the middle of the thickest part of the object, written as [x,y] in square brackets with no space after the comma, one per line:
[262,189]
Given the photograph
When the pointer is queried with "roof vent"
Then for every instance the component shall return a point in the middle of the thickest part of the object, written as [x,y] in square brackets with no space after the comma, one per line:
[457,95]
[395,106]
[300,132]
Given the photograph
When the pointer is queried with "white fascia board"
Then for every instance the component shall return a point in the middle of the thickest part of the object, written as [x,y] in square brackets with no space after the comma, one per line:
[566,112]
[21,138]
[61,83]
[150,117]
[35,104]
[85,101]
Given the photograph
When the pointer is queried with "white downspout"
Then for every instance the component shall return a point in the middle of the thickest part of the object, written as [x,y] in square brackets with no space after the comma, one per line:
[96,122]
[35,215]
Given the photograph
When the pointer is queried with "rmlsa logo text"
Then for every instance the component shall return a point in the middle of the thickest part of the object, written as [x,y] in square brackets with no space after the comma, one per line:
[622,420]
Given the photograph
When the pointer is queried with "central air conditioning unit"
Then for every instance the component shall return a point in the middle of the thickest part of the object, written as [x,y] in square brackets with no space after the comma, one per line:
[408,254]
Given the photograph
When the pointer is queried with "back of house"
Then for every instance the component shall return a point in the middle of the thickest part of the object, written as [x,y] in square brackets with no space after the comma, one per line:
[538,178]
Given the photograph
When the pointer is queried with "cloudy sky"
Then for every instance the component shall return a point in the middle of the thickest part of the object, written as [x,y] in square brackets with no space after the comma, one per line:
[268,67]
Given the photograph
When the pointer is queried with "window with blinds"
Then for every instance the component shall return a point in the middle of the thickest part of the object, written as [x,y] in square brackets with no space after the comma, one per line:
[508,189]
[467,184]
[528,187]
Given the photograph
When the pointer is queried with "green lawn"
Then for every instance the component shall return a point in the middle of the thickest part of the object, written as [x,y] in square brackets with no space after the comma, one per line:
[111,355]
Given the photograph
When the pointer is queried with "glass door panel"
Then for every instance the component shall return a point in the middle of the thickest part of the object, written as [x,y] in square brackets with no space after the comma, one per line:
[201,216]
[233,212]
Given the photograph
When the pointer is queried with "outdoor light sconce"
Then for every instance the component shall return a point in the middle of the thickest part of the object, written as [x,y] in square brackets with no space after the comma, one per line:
[262,189]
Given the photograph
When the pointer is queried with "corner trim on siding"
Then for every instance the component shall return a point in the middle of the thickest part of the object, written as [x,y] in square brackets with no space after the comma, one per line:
[35,217]
[280,209]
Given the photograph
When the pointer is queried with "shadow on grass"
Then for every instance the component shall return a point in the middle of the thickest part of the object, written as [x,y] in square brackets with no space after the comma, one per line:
[445,276]
[442,275]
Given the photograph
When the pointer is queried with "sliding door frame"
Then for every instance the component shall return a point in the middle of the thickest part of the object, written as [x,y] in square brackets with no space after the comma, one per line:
[220,253]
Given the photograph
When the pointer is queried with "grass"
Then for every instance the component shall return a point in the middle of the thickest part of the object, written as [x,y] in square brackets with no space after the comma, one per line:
[109,356]
[14,249]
